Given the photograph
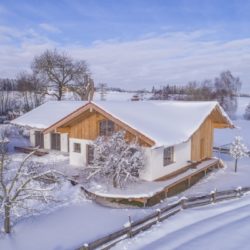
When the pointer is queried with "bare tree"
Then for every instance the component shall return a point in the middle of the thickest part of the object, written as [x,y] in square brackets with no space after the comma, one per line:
[59,72]
[4,101]
[21,183]
[30,89]
[83,88]
[8,101]
[227,87]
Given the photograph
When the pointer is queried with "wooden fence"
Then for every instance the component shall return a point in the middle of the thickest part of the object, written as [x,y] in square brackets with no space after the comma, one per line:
[135,227]
[225,149]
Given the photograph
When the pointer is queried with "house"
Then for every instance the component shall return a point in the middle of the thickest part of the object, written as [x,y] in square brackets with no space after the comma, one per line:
[173,134]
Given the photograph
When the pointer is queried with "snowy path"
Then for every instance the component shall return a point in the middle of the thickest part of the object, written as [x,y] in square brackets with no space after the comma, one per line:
[221,226]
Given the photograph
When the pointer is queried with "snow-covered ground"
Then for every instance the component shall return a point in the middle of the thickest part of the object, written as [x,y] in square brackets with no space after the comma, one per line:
[68,224]
[224,225]
[79,220]
[68,227]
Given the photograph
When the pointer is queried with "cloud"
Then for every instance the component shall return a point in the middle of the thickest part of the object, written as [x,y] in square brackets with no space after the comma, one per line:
[49,27]
[174,58]
[170,58]
[17,49]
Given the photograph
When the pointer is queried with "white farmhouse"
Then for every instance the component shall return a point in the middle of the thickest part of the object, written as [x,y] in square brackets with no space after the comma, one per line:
[173,134]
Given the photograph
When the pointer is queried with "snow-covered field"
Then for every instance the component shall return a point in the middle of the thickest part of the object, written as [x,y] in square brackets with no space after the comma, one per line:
[79,220]
[224,225]
[68,227]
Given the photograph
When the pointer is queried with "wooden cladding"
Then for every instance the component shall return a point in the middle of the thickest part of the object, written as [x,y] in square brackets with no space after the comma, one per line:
[202,141]
[87,126]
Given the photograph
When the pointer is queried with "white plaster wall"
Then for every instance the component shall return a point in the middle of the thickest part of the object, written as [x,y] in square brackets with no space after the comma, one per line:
[78,159]
[154,161]
[47,141]
[64,142]
[32,137]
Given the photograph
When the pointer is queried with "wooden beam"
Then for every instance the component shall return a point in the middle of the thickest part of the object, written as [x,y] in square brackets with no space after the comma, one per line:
[63,130]
[221,125]
[67,118]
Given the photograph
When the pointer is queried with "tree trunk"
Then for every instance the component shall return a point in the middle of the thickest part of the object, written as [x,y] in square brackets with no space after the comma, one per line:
[236,165]
[60,92]
[114,182]
[7,217]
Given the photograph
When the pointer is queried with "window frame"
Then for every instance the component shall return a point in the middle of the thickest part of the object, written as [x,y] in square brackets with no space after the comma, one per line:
[168,156]
[106,127]
[75,149]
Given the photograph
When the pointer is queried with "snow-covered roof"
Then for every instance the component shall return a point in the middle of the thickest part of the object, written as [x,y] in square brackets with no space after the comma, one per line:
[165,122]
[47,114]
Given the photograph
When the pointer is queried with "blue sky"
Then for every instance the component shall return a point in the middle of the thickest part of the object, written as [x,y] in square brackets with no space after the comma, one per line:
[131,43]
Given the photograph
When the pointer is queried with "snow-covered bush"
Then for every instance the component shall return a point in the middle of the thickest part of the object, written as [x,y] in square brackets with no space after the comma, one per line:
[116,160]
[10,131]
[247,112]
[238,150]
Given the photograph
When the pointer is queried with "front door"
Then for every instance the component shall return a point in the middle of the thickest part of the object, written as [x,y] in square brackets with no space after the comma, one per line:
[39,140]
[55,141]
[90,154]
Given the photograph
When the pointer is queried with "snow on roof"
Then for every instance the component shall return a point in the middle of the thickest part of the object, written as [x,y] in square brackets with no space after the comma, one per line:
[47,114]
[165,122]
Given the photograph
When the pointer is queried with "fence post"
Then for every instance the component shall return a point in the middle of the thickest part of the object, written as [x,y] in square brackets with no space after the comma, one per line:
[85,247]
[183,202]
[130,227]
[239,191]
[213,196]
[158,214]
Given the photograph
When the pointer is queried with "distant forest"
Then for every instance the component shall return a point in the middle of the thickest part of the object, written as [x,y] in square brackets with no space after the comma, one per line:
[27,91]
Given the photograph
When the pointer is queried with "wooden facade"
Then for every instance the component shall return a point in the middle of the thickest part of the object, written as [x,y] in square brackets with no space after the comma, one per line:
[202,141]
[86,126]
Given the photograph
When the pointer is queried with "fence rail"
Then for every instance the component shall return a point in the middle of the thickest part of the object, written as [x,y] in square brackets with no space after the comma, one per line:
[135,227]
[225,149]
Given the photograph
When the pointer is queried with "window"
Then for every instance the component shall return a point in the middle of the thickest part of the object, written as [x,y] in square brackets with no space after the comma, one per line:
[168,156]
[90,154]
[77,147]
[106,128]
